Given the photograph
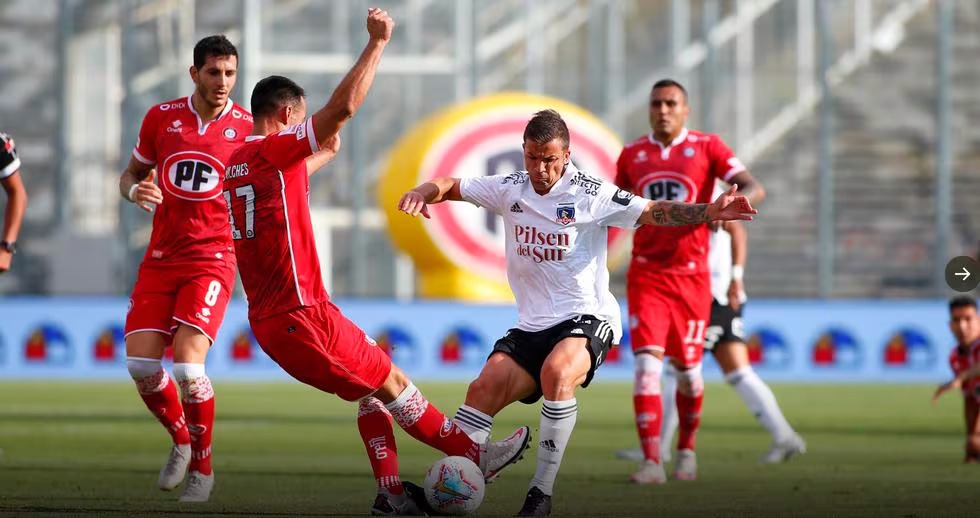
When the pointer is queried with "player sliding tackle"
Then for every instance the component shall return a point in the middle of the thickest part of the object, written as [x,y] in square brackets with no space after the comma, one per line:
[266,186]
[556,250]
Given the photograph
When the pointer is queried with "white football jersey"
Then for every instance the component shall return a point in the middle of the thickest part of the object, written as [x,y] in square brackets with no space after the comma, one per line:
[720,260]
[556,244]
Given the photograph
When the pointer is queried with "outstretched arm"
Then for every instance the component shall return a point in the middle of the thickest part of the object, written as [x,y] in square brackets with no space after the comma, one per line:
[728,207]
[956,382]
[352,90]
[415,202]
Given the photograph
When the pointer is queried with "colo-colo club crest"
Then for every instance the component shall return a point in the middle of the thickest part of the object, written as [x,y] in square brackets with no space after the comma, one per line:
[479,138]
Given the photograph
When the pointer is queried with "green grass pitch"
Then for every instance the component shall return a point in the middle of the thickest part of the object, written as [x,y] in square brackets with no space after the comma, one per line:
[285,449]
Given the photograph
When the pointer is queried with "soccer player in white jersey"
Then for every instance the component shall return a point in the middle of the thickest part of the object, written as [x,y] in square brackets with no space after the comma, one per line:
[556,219]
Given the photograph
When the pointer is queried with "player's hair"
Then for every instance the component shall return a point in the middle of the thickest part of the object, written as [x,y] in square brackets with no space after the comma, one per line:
[545,126]
[666,83]
[216,45]
[274,92]
[962,301]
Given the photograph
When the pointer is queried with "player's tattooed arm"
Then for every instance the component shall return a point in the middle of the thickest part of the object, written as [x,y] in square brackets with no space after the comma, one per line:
[672,213]
[728,207]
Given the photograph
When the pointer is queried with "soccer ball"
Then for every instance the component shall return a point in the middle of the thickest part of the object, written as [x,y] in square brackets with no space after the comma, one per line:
[454,486]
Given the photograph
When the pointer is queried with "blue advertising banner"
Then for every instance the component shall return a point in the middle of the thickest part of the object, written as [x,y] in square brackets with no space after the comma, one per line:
[804,341]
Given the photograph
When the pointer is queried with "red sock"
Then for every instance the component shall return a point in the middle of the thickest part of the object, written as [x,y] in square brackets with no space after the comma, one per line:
[198,401]
[689,415]
[649,412]
[159,393]
[374,423]
[423,421]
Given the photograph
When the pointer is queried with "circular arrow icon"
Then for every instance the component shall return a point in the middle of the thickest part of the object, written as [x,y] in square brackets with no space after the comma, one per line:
[963,273]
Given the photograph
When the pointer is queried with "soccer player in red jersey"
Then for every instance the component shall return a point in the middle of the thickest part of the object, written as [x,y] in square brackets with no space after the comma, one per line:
[965,362]
[668,283]
[267,185]
[188,271]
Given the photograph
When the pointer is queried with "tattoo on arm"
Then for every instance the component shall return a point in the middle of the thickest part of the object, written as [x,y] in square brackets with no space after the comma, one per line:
[675,213]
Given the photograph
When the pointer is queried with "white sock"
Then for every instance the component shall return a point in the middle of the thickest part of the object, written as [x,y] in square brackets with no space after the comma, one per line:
[475,423]
[668,423]
[557,421]
[761,402]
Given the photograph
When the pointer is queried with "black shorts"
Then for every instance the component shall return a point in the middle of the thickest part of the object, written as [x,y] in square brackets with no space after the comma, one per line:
[726,326]
[530,348]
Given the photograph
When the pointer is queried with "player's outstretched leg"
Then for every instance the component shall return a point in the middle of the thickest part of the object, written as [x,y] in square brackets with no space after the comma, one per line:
[423,421]
[159,393]
[197,398]
[690,396]
[557,422]
[648,409]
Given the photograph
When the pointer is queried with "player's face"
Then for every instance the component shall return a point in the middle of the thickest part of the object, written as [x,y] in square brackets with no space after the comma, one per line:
[216,79]
[965,324]
[545,163]
[668,112]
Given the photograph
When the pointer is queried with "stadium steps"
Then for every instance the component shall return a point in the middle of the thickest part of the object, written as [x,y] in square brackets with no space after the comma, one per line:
[884,163]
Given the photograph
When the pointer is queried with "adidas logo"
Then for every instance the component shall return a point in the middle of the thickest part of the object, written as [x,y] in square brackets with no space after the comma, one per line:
[516,208]
[577,331]
[548,445]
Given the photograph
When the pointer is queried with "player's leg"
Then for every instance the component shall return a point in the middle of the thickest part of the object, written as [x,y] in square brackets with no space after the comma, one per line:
[571,363]
[374,423]
[971,413]
[648,329]
[147,332]
[690,312]
[668,426]
[504,379]
[198,312]
[733,358]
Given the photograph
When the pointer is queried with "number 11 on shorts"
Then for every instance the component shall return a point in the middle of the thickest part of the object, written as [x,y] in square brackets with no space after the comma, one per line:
[695,332]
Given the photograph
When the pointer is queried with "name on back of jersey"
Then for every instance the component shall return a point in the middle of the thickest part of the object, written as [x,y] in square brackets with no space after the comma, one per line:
[236,171]
[540,246]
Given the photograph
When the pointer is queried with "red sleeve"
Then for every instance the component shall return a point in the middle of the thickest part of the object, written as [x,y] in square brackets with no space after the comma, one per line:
[724,163]
[146,144]
[622,175]
[287,147]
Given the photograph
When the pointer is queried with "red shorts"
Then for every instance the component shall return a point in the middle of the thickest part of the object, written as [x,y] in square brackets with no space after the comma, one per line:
[668,312]
[319,346]
[192,293]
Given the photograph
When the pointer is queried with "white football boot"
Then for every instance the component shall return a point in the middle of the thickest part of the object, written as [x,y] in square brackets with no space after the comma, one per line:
[785,450]
[172,473]
[651,472]
[686,467]
[496,456]
[198,487]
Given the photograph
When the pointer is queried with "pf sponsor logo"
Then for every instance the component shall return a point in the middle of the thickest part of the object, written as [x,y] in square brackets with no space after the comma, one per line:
[447,427]
[668,186]
[191,175]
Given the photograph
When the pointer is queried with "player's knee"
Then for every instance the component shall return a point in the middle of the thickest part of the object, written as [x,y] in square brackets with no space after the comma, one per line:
[195,386]
[559,380]
[396,382]
[485,392]
[690,382]
[148,374]
[646,380]
[369,405]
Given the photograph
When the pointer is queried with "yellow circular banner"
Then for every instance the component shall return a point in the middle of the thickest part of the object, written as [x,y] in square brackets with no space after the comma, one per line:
[459,253]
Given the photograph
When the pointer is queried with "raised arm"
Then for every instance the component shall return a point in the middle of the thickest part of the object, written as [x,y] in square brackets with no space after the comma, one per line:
[136,184]
[728,207]
[415,202]
[350,93]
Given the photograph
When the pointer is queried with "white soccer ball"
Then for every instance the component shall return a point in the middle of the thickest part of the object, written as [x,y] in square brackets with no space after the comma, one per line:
[454,486]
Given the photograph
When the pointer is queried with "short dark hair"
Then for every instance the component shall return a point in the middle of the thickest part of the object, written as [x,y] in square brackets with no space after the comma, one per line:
[545,126]
[666,83]
[962,301]
[216,45]
[272,93]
